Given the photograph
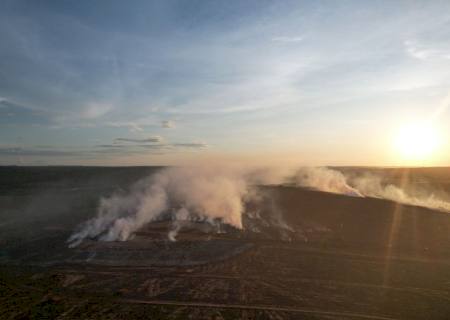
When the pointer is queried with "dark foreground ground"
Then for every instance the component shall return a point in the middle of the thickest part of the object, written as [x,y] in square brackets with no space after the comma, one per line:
[340,258]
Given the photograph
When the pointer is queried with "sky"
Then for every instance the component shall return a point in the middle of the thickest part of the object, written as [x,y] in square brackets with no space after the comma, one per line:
[182,82]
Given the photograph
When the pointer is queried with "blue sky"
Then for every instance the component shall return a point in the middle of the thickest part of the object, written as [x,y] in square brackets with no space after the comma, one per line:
[172,82]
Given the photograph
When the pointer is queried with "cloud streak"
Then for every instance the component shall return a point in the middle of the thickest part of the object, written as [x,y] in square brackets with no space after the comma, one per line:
[167,146]
[153,139]
[168,124]
[417,51]
[286,39]
[194,145]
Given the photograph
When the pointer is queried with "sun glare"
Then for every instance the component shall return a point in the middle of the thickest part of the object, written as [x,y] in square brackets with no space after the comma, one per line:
[417,142]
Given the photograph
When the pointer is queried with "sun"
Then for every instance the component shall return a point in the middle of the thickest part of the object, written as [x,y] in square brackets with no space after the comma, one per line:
[416,142]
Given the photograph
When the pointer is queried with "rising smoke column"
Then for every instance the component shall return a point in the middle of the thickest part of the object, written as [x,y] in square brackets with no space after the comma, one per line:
[180,219]
[207,194]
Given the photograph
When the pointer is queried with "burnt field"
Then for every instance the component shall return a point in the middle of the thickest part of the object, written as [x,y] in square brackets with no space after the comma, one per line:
[324,256]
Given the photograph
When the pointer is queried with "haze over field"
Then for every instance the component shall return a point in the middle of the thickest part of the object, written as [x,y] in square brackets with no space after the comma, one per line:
[271,82]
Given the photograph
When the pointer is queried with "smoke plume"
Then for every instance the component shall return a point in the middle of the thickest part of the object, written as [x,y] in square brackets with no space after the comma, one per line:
[325,179]
[365,185]
[208,194]
[374,186]
[218,195]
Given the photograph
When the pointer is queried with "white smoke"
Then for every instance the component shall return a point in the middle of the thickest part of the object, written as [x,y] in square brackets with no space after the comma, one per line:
[208,194]
[365,185]
[218,195]
[181,218]
[373,186]
[325,179]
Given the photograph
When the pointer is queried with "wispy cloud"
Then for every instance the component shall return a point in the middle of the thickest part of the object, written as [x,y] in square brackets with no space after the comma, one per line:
[95,110]
[194,145]
[287,39]
[30,151]
[421,52]
[159,146]
[132,126]
[168,124]
[153,139]
[24,155]
[14,113]
[133,146]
